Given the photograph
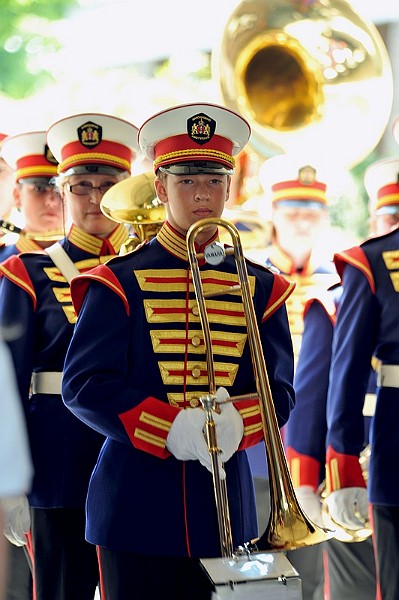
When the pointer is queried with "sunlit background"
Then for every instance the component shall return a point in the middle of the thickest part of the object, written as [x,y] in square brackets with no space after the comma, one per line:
[132,58]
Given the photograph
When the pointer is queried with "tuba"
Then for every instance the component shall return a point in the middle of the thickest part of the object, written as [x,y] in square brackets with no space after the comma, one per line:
[305,74]
[133,201]
[288,526]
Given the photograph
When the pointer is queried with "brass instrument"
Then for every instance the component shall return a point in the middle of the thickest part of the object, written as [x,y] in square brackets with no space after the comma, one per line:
[288,526]
[46,236]
[133,201]
[307,76]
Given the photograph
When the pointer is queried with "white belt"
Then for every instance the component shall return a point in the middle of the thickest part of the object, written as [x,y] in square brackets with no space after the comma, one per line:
[46,382]
[388,376]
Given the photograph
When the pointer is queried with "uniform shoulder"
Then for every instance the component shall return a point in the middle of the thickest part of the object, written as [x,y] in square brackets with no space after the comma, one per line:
[124,259]
[380,239]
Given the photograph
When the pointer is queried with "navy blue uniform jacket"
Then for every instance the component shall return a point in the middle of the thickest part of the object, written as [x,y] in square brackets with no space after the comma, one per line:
[36,309]
[135,360]
[367,325]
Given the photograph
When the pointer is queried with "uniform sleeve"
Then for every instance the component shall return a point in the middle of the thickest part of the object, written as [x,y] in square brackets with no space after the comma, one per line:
[275,339]
[353,346]
[305,433]
[96,385]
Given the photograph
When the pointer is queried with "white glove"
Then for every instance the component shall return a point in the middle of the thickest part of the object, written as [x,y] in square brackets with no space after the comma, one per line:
[310,503]
[348,507]
[186,440]
[229,426]
[17,519]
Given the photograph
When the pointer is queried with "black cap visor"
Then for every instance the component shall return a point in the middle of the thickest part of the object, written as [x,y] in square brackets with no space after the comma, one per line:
[196,168]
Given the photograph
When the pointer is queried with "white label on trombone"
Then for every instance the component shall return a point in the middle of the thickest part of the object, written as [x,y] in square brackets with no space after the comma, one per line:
[214,254]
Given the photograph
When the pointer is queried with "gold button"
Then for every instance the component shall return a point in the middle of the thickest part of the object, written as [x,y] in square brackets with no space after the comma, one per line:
[194,402]
[196,341]
[195,310]
[196,372]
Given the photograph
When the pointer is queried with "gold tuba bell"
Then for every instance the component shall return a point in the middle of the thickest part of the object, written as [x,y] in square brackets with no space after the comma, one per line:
[133,201]
[306,75]
[288,527]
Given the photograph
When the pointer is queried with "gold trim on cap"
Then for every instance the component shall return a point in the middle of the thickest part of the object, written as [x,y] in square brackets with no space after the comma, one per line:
[39,170]
[205,152]
[93,156]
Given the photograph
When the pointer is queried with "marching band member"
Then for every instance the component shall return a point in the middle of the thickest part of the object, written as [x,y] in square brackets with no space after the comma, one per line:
[94,151]
[367,325]
[298,192]
[35,194]
[348,566]
[136,368]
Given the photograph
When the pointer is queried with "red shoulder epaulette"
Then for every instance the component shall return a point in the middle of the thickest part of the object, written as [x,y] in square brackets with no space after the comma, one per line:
[101,274]
[326,301]
[14,269]
[282,289]
[357,258]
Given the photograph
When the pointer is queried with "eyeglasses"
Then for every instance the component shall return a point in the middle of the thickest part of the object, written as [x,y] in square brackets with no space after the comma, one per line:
[84,189]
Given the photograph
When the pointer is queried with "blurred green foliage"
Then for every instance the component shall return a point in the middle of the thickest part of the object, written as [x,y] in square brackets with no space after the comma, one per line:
[25,42]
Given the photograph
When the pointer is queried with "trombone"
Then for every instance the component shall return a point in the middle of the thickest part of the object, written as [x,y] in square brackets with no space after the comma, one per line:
[289,527]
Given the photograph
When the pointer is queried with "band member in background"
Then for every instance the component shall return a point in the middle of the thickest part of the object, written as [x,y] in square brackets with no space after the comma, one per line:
[349,569]
[136,369]
[35,298]
[36,197]
[297,189]
[368,325]
[307,427]
[35,194]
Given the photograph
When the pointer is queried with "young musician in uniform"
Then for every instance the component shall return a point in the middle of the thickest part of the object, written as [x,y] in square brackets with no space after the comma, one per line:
[368,326]
[94,151]
[35,194]
[136,369]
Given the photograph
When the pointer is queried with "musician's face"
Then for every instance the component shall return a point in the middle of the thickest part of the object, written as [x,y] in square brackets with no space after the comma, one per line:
[83,194]
[297,229]
[189,198]
[386,223]
[41,206]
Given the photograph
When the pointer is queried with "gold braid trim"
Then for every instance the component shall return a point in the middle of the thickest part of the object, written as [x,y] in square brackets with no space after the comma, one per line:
[39,170]
[90,156]
[205,152]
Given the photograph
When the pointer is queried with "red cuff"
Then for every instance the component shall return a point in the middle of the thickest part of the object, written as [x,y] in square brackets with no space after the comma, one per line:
[148,425]
[342,471]
[304,469]
[253,428]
